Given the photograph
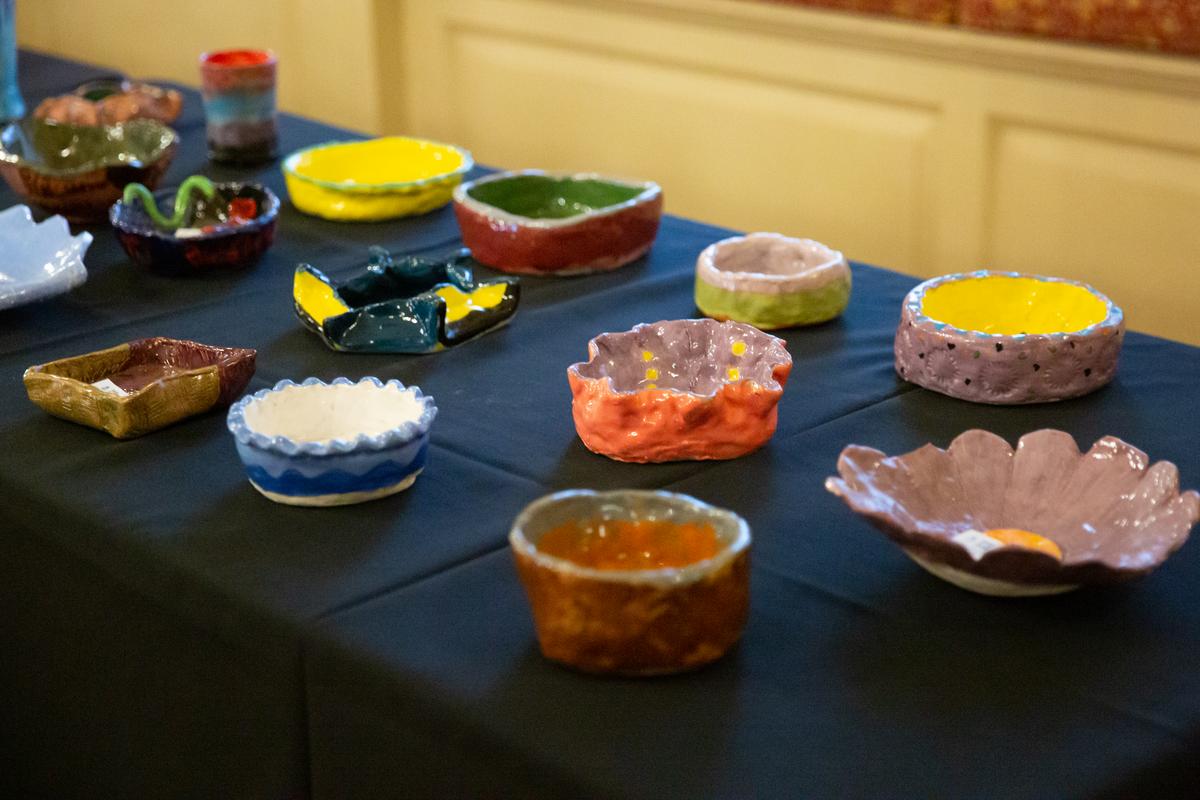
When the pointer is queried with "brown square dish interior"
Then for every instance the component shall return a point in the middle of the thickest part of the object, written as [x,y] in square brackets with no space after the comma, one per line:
[141,386]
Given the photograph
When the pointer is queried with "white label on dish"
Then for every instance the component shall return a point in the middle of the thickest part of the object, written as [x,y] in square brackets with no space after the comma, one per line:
[977,543]
[188,233]
[108,386]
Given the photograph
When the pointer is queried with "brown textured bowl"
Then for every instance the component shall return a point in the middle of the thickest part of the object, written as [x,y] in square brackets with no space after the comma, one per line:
[1114,516]
[633,622]
[151,384]
[78,171]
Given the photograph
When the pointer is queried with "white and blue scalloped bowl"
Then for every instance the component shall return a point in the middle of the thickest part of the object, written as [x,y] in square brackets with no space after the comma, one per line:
[309,467]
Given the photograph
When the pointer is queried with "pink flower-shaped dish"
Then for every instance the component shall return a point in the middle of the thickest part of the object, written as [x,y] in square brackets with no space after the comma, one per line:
[1041,519]
[687,389]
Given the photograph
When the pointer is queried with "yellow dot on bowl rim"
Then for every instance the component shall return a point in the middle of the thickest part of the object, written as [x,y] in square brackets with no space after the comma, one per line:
[651,385]
[738,348]
[647,355]
[652,374]
[734,374]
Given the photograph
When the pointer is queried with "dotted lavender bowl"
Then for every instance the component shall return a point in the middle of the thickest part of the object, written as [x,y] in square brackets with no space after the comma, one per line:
[1008,338]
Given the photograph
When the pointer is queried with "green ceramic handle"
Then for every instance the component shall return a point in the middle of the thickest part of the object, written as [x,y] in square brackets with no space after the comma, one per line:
[198,183]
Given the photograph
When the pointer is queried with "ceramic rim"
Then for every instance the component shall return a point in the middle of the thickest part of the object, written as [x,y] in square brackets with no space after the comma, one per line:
[462,196]
[665,576]
[832,258]
[916,298]
[289,169]
[594,350]
[161,151]
[266,217]
[402,434]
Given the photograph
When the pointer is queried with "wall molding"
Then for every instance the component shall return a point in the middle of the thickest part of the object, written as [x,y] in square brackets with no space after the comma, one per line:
[1108,66]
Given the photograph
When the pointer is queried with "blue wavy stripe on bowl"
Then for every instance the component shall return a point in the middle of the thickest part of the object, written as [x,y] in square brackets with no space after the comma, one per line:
[295,484]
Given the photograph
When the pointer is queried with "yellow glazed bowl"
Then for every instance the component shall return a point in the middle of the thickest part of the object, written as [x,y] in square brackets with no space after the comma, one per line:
[377,179]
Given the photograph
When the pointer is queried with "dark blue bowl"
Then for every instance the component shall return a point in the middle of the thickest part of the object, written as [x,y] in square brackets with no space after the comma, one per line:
[225,247]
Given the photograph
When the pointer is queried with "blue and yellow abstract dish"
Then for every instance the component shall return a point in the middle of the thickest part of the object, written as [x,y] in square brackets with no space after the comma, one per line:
[406,305]
[332,444]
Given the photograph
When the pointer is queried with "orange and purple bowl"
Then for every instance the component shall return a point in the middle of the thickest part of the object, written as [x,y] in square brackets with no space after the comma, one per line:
[679,390]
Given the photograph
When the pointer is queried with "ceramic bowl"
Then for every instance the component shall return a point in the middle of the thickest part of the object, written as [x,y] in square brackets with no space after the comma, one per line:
[409,305]
[772,281]
[135,388]
[319,444]
[79,171]
[633,622]
[1112,515]
[376,179]
[544,223]
[108,101]
[688,389]
[39,261]
[1008,338]
[204,242]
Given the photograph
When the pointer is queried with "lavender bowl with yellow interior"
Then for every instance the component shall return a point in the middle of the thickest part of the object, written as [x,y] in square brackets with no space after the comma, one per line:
[1008,338]
[1041,519]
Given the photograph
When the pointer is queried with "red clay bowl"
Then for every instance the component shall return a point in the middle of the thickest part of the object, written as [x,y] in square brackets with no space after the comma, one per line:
[543,223]
[690,389]
[1111,514]
[78,171]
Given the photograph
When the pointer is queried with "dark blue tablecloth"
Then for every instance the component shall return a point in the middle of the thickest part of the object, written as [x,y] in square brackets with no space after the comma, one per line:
[169,632]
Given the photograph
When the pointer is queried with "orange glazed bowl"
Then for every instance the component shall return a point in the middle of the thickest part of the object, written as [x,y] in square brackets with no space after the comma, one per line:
[638,621]
[680,390]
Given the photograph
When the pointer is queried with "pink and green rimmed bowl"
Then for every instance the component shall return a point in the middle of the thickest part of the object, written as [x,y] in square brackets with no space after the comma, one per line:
[1039,519]
[772,281]
[1008,338]
[549,223]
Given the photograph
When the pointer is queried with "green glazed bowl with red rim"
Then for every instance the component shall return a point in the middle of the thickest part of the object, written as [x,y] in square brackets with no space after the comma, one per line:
[551,223]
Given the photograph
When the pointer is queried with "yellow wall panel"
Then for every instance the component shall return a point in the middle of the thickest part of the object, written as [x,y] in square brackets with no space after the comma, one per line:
[1066,202]
[326,51]
[748,154]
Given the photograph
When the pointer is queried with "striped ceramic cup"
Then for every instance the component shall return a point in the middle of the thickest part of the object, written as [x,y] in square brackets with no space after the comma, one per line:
[239,105]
